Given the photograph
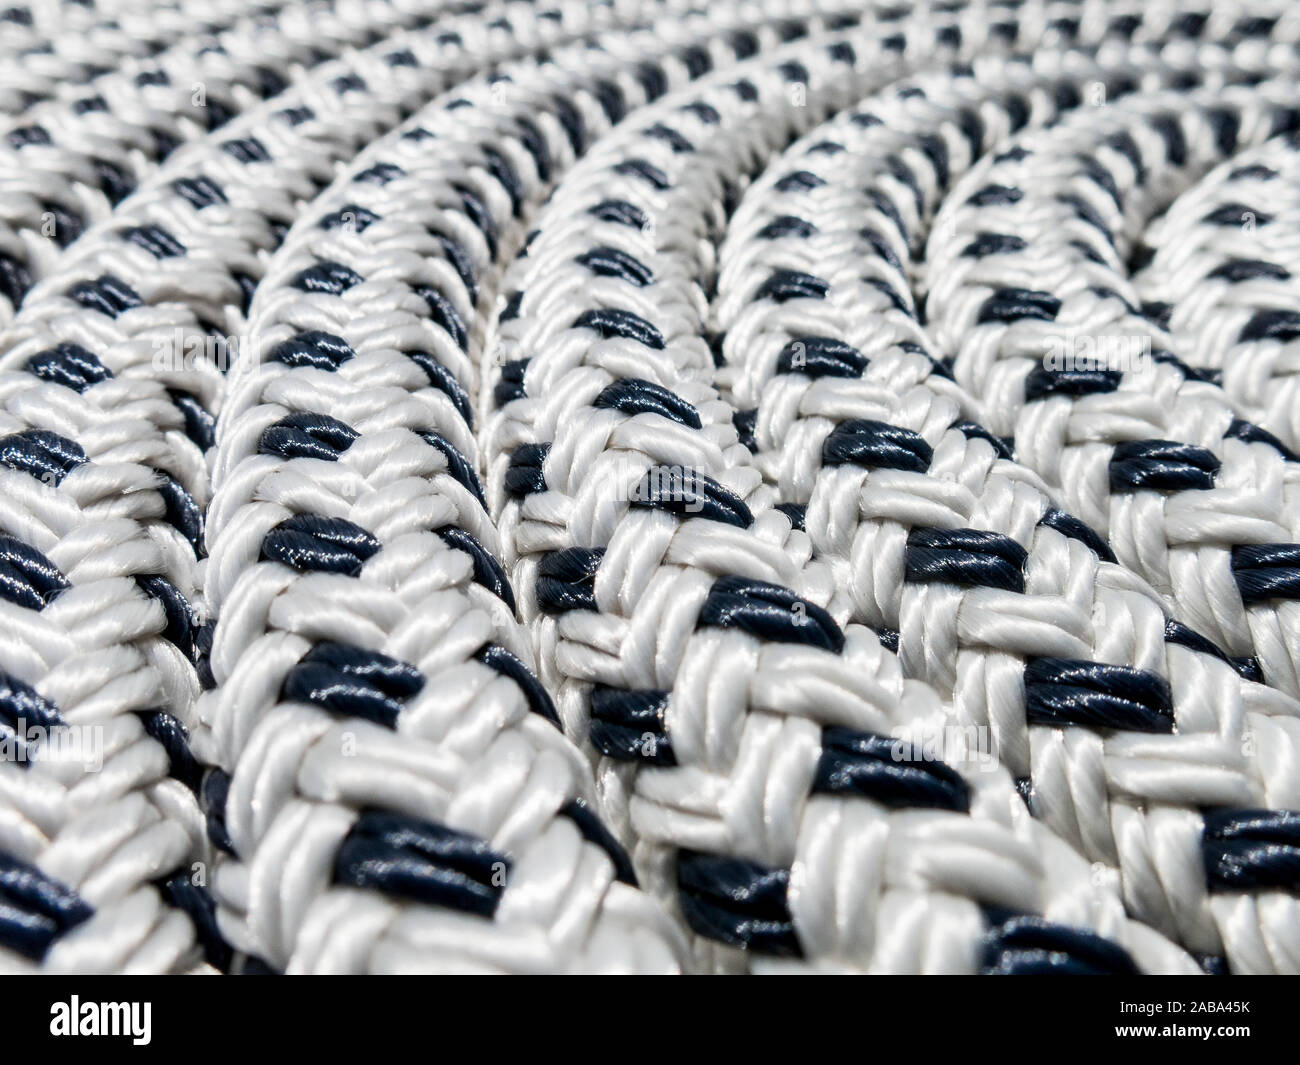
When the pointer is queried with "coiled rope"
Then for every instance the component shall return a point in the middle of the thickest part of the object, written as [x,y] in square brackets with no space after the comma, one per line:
[628,515]
[67,163]
[49,46]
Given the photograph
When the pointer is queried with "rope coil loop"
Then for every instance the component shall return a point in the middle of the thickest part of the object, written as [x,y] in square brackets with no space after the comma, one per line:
[638,486]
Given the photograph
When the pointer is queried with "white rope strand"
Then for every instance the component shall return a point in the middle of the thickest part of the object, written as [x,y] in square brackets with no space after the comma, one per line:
[647,585]
[51,46]
[67,163]
[494,486]
[386,395]
[1222,279]
[1147,453]
[873,443]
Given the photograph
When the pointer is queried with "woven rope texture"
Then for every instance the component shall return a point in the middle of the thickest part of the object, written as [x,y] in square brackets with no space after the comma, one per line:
[648,486]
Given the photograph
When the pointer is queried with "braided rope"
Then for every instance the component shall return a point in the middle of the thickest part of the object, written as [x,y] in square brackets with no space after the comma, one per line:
[1197,500]
[156,536]
[53,44]
[66,164]
[147,561]
[871,440]
[1225,288]
[583,488]
[376,368]
[603,536]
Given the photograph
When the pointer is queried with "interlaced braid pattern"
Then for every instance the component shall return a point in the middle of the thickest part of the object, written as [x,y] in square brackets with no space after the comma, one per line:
[65,164]
[1222,278]
[50,46]
[646,486]
[1140,446]
[937,538]
[365,313]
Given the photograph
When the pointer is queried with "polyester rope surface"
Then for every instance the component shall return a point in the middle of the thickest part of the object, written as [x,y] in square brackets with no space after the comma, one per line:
[644,486]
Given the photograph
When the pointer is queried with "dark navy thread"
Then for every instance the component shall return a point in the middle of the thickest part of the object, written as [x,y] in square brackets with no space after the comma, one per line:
[500,660]
[769,612]
[105,294]
[593,830]
[525,476]
[307,435]
[45,455]
[689,494]
[632,395]
[458,466]
[1002,446]
[353,682]
[1031,946]
[786,285]
[1061,691]
[972,558]
[69,365]
[887,771]
[737,902]
[330,278]
[1267,571]
[27,577]
[487,570]
[321,351]
[876,445]
[1162,466]
[311,543]
[1017,304]
[1069,525]
[817,356]
[614,322]
[1250,850]
[35,909]
[1255,434]
[417,860]
[629,725]
[566,580]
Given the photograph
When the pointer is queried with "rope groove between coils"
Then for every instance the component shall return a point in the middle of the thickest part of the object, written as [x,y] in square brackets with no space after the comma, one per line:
[640,531]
